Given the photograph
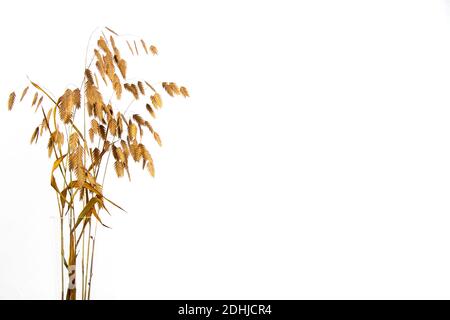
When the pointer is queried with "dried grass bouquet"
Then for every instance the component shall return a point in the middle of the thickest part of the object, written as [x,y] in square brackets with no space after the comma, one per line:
[84,126]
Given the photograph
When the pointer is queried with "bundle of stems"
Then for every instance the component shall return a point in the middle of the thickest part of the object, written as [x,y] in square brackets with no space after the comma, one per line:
[84,129]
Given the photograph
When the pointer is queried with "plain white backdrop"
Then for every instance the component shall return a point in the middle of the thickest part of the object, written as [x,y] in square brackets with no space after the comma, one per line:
[312,160]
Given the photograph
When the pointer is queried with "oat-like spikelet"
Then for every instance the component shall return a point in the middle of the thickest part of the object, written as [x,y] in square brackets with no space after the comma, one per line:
[147,158]
[109,66]
[91,134]
[12,97]
[93,97]
[120,155]
[144,45]
[122,64]
[76,158]
[74,141]
[96,79]
[112,124]
[135,151]
[34,99]
[171,88]
[76,98]
[117,86]
[66,105]
[58,138]
[157,138]
[80,173]
[141,87]
[175,88]
[99,58]
[109,111]
[156,100]
[50,147]
[150,110]
[151,168]
[114,152]
[184,92]
[35,135]
[139,120]
[88,75]
[94,126]
[153,50]
[96,155]
[106,145]
[149,126]
[132,130]
[98,112]
[126,150]
[145,154]
[39,102]
[115,49]
[119,124]
[168,88]
[133,89]
[102,132]
[127,87]
[138,151]
[102,44]
[119,167]
[24,92]
[101,69]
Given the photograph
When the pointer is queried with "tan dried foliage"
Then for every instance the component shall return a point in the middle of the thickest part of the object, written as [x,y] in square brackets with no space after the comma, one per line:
[81,141]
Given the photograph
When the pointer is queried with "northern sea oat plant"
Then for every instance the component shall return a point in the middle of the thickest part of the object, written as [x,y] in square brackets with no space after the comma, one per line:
[83,127]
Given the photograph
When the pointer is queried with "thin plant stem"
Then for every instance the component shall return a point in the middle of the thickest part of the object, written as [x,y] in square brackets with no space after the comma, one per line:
[92,261]
[85,279]
[61,223]
[82,268]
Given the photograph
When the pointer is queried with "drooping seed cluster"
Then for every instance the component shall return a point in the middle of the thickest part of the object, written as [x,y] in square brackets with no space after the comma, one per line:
[108,129]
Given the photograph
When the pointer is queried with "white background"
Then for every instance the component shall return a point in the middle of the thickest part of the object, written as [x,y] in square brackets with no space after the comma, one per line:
[312,160]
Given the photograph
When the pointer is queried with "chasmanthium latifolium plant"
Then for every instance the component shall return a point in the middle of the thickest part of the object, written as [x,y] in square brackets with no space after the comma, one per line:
[107,115]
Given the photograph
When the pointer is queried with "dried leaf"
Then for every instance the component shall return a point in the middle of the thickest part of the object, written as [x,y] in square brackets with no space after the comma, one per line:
[87,210]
